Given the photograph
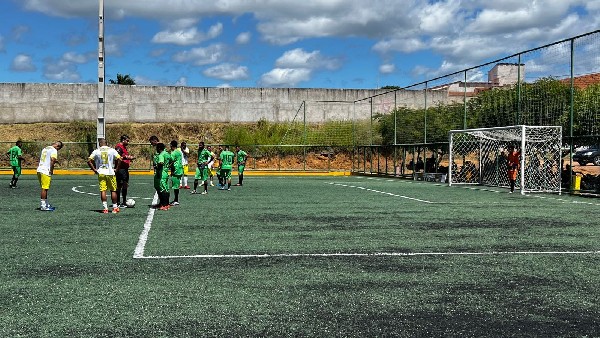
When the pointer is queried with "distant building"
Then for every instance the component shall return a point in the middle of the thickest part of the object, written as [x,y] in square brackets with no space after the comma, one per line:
[506,74]
[503,74]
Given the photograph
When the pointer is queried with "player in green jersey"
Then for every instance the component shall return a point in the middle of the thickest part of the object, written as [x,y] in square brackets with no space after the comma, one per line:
[162,166]
[241,161]
[202,168]
[15,154]
[176,170]
[226,158]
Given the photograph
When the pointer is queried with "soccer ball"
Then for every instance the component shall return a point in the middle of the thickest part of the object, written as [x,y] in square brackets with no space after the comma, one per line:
[130,203]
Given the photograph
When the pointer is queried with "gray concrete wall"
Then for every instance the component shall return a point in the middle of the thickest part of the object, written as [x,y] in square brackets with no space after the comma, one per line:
[30,103]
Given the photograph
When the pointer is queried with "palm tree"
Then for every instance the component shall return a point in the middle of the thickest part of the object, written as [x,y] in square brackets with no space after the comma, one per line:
[123,80]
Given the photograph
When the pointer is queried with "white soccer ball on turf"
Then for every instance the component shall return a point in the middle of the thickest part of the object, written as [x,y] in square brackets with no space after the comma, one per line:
[130,203]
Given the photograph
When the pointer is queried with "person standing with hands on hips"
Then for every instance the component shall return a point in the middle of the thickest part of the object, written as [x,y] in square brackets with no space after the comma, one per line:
[241,157]
[103,161]
[123,170]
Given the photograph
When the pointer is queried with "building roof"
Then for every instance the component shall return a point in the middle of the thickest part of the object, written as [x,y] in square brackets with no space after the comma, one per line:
[583,81]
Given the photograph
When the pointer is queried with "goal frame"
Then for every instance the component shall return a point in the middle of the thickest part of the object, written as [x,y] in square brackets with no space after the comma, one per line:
[528,153]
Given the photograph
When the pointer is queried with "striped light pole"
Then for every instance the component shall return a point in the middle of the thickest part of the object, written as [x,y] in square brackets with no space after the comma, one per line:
[101,124]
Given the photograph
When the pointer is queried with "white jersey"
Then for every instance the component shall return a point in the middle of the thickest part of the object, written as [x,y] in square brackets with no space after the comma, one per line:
[46,157]
[104,157]
[184,158]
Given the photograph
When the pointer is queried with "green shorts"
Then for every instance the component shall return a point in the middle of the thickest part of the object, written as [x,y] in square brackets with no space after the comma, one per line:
[201,174]
[226,173]
[16,171]
[176,181]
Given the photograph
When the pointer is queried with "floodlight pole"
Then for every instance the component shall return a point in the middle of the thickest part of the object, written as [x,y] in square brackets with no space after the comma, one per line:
[101,123]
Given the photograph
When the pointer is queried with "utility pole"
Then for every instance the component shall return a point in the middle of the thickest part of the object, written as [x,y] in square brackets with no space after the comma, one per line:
[101,123]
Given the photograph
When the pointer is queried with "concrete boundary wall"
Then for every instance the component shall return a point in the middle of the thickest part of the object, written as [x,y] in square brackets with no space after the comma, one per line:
[36,102]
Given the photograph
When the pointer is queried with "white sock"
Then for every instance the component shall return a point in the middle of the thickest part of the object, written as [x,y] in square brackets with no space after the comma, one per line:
[114,206]
[185,180]
[105,205]
[43,203]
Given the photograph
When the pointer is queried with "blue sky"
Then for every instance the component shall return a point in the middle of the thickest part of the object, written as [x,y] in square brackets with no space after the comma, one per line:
[276,43]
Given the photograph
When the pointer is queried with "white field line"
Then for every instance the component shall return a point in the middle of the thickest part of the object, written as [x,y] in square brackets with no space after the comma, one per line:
[378,254]
[380,192]
[139,249]
[77,190]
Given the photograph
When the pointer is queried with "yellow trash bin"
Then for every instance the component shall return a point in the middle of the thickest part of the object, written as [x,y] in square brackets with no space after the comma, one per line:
[576,185]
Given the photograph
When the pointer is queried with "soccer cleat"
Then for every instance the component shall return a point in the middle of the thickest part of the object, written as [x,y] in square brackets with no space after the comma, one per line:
[228,189]
[115,210]
[181,187]
[105,211]
[48,208]
[122,206]
[186,187]
[174,203]
[238,185]
[193,192]
[211,184]
[164,208]
[204,192]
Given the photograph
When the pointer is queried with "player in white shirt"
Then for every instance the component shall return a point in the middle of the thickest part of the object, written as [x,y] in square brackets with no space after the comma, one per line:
[185,150]
[48,158]
[103,162]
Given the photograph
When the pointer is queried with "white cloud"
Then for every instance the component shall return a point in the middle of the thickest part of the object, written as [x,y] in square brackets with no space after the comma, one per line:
[201,56]
[298,58]
[185,36]
[75,57]
[22,63]
[284,77]
[439,16]
[243,38]
[387,68]
[227,72]
[405,45]
[182,81]
[61,71]
[145,81]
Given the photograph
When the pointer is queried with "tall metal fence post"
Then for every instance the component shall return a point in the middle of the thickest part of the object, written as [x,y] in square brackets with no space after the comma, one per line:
[571,111]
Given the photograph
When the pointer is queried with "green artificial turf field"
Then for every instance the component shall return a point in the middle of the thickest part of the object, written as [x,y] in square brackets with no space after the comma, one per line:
[299,256]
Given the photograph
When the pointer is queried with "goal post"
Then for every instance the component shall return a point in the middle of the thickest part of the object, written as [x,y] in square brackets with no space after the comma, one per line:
[478,156]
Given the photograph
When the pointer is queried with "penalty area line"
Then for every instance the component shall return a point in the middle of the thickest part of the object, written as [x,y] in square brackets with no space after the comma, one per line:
[376,254]
[381,192]
[139,249]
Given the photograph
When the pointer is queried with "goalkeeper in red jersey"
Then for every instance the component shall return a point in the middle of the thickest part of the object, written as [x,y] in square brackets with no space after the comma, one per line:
[513,158]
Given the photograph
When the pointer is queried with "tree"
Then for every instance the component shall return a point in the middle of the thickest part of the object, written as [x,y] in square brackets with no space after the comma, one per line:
[123,80]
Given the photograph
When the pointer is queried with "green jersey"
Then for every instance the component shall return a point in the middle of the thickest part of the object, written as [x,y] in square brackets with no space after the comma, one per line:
[226,159]
[176,157]
[203,157]
[166,164]
[15,153]
[241,157]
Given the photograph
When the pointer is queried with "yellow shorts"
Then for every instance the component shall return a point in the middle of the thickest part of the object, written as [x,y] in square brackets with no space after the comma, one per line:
[107,182]
[44,181]
[186,168]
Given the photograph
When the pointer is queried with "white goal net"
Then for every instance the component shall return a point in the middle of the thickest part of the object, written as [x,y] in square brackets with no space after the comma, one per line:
[478,156]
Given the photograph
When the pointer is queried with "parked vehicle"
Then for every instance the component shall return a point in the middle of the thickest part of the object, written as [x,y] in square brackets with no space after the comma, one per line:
[590,155]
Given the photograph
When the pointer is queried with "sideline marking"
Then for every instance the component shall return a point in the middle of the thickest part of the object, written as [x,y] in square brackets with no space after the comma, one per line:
[139,249]
[380,254]
[381,192]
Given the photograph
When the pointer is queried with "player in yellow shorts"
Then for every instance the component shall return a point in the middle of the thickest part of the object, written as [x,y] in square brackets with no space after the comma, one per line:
[48,159]
[103,162]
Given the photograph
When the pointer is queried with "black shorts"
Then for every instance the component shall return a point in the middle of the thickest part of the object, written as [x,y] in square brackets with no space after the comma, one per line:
[122,177]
